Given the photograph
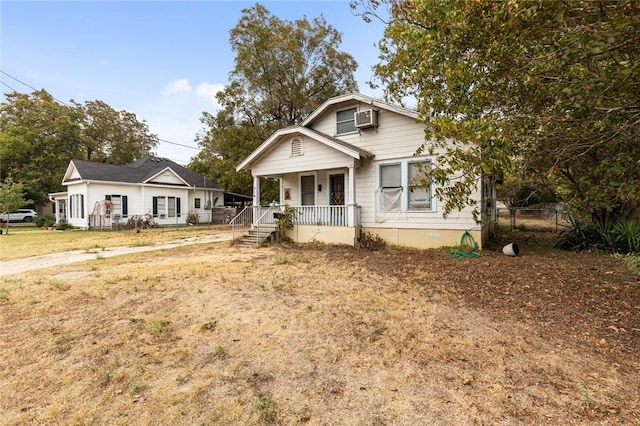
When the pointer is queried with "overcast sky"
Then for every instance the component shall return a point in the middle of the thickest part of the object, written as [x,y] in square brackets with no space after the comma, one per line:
[163,60]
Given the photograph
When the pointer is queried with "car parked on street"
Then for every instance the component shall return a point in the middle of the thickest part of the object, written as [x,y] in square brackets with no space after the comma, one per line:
[20,215]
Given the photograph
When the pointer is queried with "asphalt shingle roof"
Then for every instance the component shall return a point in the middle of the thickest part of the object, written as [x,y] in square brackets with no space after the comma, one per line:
[138,171]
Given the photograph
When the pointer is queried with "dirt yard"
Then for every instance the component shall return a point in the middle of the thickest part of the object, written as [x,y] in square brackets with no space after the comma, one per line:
[319,335]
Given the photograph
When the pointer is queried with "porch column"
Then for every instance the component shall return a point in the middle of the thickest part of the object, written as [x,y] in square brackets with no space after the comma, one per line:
[351,197]
[256,191]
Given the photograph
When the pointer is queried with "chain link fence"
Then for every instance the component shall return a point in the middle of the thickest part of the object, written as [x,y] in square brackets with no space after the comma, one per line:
[543,218]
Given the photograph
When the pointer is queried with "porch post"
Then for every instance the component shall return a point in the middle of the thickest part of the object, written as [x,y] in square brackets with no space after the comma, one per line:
[351,197]
[256,191]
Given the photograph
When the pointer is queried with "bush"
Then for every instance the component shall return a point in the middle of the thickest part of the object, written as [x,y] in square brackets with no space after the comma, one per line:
[192,218]
[140,222]
[371,242]
[62,225]
[44,220]
[622,236]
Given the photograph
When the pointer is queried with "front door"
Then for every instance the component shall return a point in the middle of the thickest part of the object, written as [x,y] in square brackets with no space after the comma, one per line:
[336,190]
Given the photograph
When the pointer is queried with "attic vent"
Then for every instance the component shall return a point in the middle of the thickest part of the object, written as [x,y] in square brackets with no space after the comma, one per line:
[296,148]
[366,118]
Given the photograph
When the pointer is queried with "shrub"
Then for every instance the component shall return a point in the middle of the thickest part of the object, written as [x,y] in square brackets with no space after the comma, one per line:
[140,222]
[44,220]
[371,242]
[192,218]
[622,236]
[62,225]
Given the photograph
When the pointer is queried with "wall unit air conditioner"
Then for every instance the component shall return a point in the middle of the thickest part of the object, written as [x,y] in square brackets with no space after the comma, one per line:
[366,118]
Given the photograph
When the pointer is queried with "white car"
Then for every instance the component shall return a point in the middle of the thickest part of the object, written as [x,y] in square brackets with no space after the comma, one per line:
[20,215]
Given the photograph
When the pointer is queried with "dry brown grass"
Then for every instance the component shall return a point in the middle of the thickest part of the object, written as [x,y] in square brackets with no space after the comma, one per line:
[222,335]
[24,242]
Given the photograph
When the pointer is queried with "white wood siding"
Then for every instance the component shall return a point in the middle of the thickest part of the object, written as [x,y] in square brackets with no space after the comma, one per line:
[396,138]
[316,156]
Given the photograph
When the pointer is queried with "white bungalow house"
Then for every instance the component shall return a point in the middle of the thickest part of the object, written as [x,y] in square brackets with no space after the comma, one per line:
[101,195]
[348,168]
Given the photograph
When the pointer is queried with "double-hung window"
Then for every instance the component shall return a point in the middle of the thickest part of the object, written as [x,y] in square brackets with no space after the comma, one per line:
[405,177]
[419,189]
[346,121]
[119,207]
[391,187]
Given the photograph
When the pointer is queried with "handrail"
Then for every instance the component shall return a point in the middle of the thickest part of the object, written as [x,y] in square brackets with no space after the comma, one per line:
[239,222]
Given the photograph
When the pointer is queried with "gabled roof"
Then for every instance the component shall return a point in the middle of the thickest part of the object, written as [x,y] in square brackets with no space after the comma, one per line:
[374,103]
[335,143]
[140,171]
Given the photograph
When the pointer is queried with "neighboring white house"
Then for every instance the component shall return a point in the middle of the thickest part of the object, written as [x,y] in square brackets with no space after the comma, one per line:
[100,195]
[348,168]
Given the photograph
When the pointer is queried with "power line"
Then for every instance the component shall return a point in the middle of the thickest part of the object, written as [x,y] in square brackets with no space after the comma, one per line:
[31,87]
[179,144]
[57,100]
[8,86]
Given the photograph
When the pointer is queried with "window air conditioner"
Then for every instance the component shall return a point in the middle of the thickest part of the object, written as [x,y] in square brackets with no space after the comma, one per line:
[366,118]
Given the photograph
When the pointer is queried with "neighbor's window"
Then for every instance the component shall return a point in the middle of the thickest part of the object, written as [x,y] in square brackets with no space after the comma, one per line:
[159,207]
[307,186]
[346,121]
[419,195]
[118,205]
[76,206]
[173,206]
[196,203]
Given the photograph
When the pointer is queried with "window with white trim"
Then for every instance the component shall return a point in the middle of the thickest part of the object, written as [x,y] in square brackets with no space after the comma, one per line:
[76,206]
[119,207]
[346,121]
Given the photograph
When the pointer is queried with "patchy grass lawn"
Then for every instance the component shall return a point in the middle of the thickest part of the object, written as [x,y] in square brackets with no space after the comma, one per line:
[219,335]
[29,241]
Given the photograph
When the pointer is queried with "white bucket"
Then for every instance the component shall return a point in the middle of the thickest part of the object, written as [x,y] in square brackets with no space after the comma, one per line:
[511,249]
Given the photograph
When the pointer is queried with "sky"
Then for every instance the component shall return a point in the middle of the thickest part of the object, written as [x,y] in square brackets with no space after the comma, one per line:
[162,60]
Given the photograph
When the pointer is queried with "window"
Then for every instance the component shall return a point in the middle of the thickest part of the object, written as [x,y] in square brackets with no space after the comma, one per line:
[196,203]
[419,196]
[174,206]
[346,121]
[390,199]
[390,175]
[159,207]
[118,205]
[296,148]
[76,206]
[307,190]
[403,178]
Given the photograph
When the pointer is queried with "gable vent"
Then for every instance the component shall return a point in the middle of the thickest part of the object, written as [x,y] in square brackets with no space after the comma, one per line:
[296,148]
[366,118]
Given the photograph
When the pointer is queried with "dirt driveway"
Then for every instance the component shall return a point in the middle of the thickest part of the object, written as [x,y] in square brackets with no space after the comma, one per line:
[17,266]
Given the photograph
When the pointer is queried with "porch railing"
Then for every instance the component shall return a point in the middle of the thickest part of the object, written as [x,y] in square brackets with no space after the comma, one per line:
[321,215]
[256,217]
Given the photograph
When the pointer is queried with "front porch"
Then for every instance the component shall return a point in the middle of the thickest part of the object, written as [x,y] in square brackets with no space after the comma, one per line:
[326,224]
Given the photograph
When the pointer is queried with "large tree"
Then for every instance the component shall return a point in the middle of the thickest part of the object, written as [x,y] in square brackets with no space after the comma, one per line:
[549,89]
[39,136]
[111,136]
[283,71]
